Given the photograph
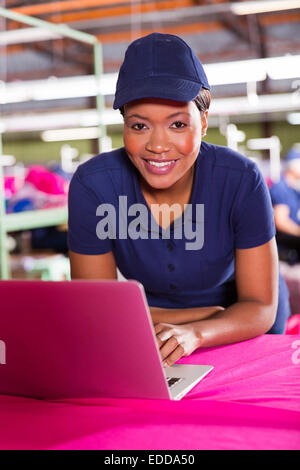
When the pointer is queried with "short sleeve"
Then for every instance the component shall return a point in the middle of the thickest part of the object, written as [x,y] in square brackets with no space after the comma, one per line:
[253,213]
[82,224]
[278,194]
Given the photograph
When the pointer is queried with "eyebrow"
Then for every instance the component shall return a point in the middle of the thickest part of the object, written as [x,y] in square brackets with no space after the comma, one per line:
[168,117]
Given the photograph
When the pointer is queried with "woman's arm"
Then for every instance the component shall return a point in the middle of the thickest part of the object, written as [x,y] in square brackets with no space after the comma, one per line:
[93,266]
[181,316]
[283,221]
[256,274]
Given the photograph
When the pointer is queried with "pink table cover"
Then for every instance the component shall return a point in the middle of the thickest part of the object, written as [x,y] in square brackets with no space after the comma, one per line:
[251,400]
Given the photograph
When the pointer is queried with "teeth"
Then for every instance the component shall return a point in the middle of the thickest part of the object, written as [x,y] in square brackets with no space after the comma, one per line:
[160,163]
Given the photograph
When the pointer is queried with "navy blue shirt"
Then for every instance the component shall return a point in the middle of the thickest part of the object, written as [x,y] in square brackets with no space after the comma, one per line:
[237,214]
[282,193]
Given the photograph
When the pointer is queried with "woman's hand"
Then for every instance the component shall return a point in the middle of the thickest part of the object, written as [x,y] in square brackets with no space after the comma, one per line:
[175,341]
[177,330]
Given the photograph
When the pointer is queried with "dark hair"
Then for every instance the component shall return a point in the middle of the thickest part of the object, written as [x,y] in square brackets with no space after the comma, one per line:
[202,101]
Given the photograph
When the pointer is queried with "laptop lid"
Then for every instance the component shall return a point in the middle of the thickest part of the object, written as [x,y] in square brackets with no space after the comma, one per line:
[78,339]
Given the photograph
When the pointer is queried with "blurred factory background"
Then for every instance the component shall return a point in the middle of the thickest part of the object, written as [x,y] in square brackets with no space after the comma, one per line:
[251,52]
[58,68]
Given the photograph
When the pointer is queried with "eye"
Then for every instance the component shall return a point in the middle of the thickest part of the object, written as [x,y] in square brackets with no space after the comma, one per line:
[138,126]
[178,125]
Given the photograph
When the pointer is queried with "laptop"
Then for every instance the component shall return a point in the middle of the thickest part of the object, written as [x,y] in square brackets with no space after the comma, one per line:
[84,339]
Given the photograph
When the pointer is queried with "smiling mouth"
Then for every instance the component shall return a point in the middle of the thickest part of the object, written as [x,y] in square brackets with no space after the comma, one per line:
[160,163]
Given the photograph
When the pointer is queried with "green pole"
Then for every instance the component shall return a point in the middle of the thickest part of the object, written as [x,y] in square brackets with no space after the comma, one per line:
[62,29]
[99,97]
[4,270]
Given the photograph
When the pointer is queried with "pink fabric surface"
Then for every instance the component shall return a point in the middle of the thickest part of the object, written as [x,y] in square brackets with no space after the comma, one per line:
[251,400]
[293,325]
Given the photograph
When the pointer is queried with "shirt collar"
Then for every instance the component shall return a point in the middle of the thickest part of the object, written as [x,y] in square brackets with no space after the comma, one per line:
[188,215]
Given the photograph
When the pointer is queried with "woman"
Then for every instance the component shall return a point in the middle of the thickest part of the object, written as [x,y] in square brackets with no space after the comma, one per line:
[223,286]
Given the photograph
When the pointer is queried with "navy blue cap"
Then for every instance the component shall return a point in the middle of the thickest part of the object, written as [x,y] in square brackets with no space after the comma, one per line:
[293,154]
[159,66]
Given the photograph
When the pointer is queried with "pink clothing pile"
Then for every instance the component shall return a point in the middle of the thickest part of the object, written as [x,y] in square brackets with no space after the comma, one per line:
[46,181]
[42,189]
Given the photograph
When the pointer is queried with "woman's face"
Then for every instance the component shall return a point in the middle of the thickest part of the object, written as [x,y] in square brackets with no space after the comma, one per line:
[162,138]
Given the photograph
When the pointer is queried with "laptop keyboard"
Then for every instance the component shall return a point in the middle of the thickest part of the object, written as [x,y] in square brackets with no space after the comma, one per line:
[171,381]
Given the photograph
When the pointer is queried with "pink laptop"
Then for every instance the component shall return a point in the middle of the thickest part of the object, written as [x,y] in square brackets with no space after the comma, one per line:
[84,338]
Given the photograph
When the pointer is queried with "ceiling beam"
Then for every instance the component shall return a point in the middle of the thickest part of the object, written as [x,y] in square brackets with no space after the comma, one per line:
[60,6]
[234,25]
[65,54]
[117,11]
[274,47]
[176,29]
[62,72]
[188,14]
[69,5]
[279,18]
[126,35]
[177,16]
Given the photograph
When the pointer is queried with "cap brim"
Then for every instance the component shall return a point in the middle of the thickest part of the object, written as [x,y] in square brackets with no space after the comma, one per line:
[165,87]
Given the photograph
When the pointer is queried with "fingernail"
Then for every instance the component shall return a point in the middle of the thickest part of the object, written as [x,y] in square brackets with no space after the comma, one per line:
[165,364]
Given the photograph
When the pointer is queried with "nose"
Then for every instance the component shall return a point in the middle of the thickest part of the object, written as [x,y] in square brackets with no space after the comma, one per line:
[158,141]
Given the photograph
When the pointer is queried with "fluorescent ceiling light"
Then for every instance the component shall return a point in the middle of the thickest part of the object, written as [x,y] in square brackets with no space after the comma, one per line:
[57,88]
[71,134]
[109,116]
[253,70]
[294,118]
[264,143]
[85,86]
[235,72]
[13,94]
[263,6]
[279,102]
[224,73]
[8,160]
[233,106]
[60,120]
[289,67]
[24,35]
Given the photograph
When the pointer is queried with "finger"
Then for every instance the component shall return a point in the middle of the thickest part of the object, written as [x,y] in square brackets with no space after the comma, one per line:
[158,327]
[168,347]
[165,335]
[174,356]
[162,337]
[159,342]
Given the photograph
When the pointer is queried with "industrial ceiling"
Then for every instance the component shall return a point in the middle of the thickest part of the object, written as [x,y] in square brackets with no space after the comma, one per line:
[218,31]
